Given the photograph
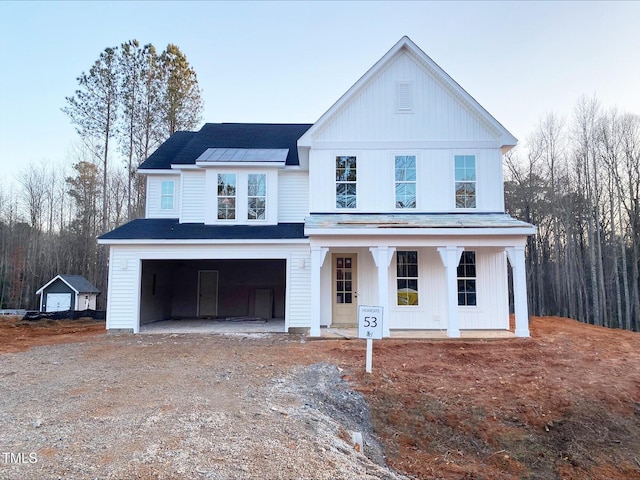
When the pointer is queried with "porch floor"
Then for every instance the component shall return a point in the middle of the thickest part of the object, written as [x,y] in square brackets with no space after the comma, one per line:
[239,326]
[352,333]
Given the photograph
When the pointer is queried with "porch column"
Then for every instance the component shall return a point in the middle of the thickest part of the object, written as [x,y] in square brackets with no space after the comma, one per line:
[516,258]
[382,257]
[318,255]
[450,257]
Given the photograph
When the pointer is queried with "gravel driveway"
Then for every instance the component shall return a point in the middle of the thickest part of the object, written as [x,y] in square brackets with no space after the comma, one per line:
[181,407]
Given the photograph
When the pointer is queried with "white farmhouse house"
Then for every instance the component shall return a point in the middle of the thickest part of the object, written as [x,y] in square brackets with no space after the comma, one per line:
[394,197]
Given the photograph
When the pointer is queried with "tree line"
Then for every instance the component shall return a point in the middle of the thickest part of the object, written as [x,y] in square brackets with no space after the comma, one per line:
[579,183]
[129,101]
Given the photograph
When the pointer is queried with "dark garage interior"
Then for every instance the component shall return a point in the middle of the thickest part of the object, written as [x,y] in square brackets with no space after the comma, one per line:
[212,289]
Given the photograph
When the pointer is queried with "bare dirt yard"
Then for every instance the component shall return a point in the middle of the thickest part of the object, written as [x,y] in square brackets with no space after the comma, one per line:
[77,403]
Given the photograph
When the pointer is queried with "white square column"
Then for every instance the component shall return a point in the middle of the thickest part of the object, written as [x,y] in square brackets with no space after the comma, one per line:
[516,258]
[318,255]
[382,257]
[450,257]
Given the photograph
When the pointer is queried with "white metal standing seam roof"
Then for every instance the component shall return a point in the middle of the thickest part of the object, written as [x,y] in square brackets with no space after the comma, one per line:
[270,155]
[401,220]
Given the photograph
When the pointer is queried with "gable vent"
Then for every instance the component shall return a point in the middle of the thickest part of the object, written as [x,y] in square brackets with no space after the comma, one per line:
[405,97]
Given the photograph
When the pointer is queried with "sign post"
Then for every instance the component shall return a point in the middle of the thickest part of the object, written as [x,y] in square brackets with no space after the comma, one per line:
[370,320]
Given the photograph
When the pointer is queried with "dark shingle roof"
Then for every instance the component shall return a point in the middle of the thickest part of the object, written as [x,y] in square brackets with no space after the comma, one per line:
[171,229]
[80,283]
[183,148]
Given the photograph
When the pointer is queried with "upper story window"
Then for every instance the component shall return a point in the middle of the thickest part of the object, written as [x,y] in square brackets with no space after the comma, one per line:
[257,196]
[407,277]
[346,182]
[467,295]
[405,181]
[465,166]
[167,194]
[226,196]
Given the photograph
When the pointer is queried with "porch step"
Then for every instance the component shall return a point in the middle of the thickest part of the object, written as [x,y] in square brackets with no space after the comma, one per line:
[343,325]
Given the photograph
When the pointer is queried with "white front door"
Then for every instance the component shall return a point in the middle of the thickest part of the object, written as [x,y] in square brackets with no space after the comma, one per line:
[344,289]
[207,293]
[58,302]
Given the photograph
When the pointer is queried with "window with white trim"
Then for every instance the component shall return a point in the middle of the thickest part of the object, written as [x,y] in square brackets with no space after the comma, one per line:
[467,294]
[346,181]
[257,196]
[465,166]
[226,196]
[167,194]
[407,277]
[405,168]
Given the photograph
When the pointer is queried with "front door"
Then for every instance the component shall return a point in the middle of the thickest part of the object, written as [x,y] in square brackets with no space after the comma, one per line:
[345,291]
[207,293]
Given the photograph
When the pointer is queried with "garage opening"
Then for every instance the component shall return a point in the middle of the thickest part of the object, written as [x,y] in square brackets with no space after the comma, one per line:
[213,290]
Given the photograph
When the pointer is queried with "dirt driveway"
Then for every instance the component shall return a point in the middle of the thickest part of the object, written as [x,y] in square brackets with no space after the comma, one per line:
[83,404]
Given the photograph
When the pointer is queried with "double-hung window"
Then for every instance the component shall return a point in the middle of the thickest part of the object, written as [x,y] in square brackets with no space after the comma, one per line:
[346,181]
[257,196]
[405,167]
[167,193]
[465,166]
[467,294]
[226,196]
[407,277]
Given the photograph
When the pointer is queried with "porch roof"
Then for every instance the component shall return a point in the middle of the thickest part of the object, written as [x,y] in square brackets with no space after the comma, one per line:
[384,223]
[171,229]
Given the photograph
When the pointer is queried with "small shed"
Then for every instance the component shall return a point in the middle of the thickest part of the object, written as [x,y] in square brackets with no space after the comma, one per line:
[68,292]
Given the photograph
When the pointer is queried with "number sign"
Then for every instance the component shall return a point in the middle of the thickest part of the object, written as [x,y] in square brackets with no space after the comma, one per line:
[369,322]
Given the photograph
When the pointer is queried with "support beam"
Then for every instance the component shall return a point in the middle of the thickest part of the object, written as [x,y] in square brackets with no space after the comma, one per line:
[318,255]
[516,258]
[382,257]
[450,257]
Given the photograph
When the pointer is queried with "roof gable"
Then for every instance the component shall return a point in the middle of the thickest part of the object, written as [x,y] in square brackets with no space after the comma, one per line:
[184,148]
[77,283]
[406,60]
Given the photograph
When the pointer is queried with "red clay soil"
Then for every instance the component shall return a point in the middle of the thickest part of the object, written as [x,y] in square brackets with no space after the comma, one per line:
[563,404]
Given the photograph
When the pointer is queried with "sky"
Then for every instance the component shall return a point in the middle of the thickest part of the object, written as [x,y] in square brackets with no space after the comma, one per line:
[288,62]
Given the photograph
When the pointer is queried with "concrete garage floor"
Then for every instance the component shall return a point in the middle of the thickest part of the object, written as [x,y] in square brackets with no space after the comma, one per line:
[215,326]
[238,326]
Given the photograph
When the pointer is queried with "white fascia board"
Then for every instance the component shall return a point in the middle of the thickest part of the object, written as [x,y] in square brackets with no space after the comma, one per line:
[422,232]
[410,145]
[240,164]
[186,166]
[420,241]
[150,171]
[57,277]
[249,241]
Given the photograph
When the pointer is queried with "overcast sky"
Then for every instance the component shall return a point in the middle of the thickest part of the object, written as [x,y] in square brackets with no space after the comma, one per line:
[290,61]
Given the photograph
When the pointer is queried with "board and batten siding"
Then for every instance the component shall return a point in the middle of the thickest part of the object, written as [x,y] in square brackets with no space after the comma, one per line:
[293,196]
[193,196]
[125,267]
[437,113]
[435,180]
[154,195]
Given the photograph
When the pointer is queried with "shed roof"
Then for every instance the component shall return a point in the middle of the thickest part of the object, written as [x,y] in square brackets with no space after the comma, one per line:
[183,148]
[172,229]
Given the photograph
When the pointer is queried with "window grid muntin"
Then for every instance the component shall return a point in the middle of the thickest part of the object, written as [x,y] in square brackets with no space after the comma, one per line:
[344,280]
[405,181]
[467,275]
[465,181]
[167,194]
[407,277]
[346,181]
[227,196]
[256,196]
